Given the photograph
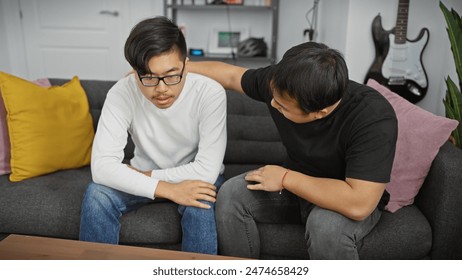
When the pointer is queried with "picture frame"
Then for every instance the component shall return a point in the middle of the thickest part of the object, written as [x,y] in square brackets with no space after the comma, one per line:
[225,41]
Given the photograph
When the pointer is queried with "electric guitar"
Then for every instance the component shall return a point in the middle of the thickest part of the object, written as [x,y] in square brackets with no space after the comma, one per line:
[398,60]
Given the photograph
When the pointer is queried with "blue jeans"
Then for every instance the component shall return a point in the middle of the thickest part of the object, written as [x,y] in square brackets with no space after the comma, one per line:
[102,208]
[328,234]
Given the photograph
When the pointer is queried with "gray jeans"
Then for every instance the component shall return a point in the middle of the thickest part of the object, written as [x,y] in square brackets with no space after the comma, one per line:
[328,235]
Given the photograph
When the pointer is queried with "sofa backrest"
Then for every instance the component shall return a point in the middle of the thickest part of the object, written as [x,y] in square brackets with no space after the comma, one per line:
[253,139]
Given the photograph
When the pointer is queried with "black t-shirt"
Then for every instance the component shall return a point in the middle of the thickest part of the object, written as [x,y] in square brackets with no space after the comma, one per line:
[356,140]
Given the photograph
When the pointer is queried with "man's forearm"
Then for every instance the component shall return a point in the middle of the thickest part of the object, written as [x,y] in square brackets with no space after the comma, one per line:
[353,198]
[229,76]
[146,173]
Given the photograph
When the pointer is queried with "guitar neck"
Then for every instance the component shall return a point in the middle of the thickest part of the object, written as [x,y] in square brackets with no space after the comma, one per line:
[401,22]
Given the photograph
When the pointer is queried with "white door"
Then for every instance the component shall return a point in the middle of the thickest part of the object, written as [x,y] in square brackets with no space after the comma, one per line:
[64,38]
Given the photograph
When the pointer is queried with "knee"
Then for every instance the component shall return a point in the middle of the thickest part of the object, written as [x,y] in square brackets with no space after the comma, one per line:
[323,228]
[230,196]
[96,196]
[199,214]
[232,188]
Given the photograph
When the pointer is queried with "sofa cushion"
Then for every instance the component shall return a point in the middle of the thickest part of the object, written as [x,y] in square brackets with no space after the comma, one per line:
[50,205]
[49,128]
[46,205]
[4,138]
[157,224]
[420,136]
[405,234]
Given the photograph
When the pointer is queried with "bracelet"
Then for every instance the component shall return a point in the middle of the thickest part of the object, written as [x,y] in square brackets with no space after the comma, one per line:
[282,181]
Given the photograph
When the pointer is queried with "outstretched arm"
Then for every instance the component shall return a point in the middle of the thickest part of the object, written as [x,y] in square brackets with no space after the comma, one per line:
[229,76]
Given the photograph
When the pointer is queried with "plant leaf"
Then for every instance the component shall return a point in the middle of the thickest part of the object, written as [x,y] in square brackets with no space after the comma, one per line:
[454,29]
[454,98]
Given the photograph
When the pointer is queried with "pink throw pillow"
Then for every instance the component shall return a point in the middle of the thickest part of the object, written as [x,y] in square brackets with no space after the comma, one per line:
[420,136]
[4,138]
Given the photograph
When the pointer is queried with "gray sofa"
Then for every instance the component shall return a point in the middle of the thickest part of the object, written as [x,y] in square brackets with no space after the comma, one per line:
[49,205]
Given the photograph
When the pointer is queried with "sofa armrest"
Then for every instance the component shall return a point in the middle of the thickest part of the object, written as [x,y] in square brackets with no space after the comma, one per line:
[440,200]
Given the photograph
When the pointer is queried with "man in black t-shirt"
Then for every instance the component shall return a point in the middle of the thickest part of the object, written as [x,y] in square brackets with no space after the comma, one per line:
[340,138]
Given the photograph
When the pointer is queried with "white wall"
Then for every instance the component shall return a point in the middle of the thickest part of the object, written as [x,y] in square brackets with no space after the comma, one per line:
[292,22]
[4,57]
[333,23]
[437,57]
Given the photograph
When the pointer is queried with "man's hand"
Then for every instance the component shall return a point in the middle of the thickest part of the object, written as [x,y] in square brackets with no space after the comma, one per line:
[267,178]
[187,193]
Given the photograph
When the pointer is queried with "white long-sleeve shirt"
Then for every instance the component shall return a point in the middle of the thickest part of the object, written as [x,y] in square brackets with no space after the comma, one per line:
[186,141]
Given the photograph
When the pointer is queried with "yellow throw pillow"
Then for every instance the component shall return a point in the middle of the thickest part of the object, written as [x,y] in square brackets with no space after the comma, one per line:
[50,129]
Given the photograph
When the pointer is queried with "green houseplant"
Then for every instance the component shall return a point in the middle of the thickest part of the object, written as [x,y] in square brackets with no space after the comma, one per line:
[453,100]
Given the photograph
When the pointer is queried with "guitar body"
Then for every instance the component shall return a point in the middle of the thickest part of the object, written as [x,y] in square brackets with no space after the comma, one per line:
[399,66]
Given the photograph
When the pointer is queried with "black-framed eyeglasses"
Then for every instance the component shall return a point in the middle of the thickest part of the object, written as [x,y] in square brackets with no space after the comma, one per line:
[170,80]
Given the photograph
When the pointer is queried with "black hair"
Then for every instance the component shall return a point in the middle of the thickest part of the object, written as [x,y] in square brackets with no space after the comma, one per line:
[313,74]
[152,37]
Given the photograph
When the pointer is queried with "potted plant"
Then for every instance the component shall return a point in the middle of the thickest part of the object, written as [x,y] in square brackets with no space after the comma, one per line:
[453,100]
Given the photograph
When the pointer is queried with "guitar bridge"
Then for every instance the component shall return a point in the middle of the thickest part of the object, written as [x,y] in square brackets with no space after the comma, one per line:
[396,81]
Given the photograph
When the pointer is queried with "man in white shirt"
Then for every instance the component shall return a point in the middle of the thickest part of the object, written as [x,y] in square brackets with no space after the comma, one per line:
[177,122]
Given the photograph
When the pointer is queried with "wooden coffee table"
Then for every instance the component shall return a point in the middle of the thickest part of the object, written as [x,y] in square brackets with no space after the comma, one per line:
[23,247]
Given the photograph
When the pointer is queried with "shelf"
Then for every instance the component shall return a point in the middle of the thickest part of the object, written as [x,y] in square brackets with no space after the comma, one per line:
[175,9]
[219,7]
